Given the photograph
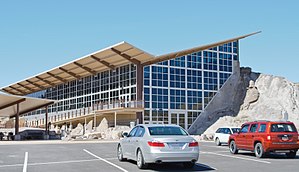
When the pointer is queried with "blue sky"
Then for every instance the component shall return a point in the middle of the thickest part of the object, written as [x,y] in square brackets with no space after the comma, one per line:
[37,35]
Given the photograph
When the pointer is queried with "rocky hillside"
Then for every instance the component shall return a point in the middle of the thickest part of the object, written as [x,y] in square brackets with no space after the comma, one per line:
[267,98]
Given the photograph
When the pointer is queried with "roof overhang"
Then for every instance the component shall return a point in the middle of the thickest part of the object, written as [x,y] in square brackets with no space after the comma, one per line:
[109,58]
[8,104]
[193,50]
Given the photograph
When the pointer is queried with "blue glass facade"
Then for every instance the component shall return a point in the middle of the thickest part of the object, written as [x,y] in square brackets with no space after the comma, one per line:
[177,91]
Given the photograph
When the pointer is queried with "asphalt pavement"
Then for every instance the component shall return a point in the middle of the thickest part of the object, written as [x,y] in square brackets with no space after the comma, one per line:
[101,156]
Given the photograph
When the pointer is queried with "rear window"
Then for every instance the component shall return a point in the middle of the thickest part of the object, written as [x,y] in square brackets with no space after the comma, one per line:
[157,131]
[283,128]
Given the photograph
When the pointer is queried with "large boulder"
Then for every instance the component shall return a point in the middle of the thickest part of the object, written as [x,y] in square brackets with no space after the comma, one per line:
[78,131]
[103,126]
[89,127]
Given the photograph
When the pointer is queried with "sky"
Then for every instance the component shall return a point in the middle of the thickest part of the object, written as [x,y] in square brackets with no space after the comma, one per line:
[36,36]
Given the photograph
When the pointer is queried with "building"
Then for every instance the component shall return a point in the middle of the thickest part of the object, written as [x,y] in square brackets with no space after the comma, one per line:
[123,83]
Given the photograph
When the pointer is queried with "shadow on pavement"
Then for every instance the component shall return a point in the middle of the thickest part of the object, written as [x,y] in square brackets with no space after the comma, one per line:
[176,167]
[269,156]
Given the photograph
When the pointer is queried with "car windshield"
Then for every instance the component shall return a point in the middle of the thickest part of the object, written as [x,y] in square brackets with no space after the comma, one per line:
[164,130]
[235,130]
[283,128]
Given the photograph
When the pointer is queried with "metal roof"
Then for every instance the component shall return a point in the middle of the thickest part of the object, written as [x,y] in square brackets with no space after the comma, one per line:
[8,104]
[109,58]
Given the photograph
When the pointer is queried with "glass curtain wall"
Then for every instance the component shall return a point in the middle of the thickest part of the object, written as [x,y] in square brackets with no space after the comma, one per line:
[103,87]
[177,91]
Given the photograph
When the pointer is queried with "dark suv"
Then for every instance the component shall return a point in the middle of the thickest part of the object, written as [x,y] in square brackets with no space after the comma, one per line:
[263,137]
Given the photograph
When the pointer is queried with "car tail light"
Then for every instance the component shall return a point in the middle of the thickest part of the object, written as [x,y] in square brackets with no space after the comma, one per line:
[268,137]
[155,144]
[193,144]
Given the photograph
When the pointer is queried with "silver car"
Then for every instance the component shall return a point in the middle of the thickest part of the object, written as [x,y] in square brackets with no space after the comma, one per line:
[157,143]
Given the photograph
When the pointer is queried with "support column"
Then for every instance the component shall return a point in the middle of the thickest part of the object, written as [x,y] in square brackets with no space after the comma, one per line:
[139,90]
[17,136]
[46,136]
[115,113]
[95,121]
[46,124]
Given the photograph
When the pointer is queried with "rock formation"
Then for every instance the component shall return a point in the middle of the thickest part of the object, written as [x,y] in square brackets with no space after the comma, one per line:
[103,126]
[100,132]
[271,98]
[78,131]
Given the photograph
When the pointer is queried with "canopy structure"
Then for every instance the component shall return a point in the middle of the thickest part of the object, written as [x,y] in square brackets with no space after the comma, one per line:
[109,58]
[8,104]
[14,106]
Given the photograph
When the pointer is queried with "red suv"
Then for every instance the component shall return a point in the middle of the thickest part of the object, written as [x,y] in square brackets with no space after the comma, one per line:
[263,137]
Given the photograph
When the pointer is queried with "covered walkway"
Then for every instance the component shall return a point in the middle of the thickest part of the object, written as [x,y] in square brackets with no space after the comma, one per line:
[15,106]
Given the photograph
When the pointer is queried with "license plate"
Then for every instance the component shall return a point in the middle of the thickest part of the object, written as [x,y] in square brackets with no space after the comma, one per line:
[284,138]
[176,145]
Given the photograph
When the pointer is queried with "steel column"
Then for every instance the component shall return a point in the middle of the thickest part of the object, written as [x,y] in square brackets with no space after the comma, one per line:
[139,90]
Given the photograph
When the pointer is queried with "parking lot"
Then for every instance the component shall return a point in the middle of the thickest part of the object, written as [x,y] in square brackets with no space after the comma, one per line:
[48,156]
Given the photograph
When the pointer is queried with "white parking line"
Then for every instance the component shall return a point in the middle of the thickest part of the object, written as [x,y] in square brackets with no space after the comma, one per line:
[108,162]
[25,162]
[237,157]
[48,163]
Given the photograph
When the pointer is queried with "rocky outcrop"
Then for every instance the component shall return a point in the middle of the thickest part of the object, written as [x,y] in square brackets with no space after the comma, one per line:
[277,99]
[227,101]
[252,95]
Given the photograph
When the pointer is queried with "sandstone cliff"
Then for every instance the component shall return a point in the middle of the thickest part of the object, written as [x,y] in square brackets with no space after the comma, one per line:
[267,98]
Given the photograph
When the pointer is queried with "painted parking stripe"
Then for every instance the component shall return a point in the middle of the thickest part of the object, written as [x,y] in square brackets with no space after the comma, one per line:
[108,162]
[25,162]
[48,163]
[237,157]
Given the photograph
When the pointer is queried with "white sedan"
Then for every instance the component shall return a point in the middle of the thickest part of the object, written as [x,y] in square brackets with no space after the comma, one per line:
[158,143]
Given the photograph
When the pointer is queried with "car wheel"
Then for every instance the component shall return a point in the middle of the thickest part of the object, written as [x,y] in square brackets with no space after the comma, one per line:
[217,141]
[291,154]
[120,155]
[259,150]
[189,164]
[233,147]
[140,160]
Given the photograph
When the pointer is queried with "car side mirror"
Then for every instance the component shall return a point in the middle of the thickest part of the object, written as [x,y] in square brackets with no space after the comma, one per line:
[125,134]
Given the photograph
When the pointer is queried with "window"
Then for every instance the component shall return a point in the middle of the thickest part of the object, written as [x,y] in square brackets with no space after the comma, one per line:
[227,131]
[283,128]
[133,131]
[253,128]
[244,129]
[235,130]
[219,130]
[262,128]
[140,132]
[167,131]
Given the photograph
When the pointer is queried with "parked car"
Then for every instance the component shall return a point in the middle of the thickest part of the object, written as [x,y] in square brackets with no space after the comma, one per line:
[263,137]
[149,143]
[222,134]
